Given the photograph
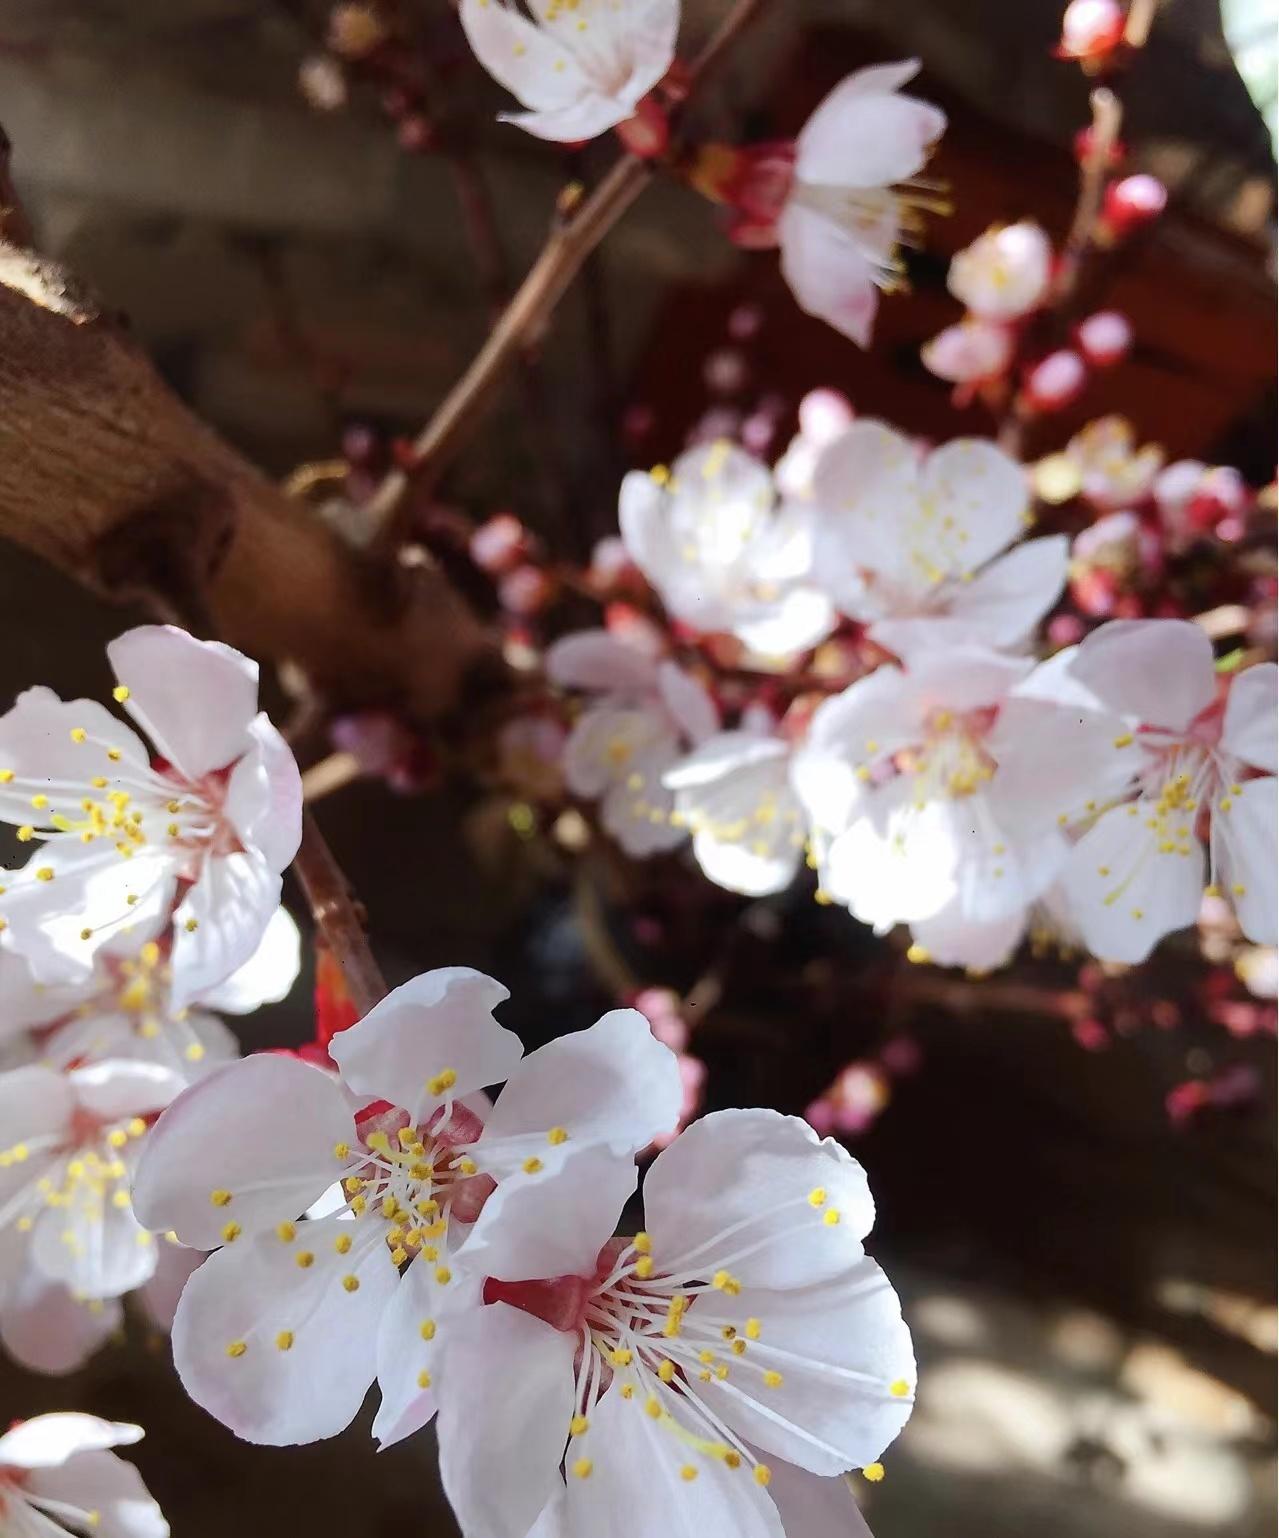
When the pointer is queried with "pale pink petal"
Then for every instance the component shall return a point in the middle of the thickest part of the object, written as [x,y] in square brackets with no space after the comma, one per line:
[1156,670]
[267,976]
[595,661]
[690,705]
[94,1248]
[194,699]
[813,1507]
[1244,854]
[763,1167]
[865,135]
[261,1133]
[974,497]
[46,1330]
[117,1089]
[264,795]
[953,940]
[410,1338]
[220,922]
[308,1332]
[512,1375]
[107,1485]
[583,119]
[160,1294]
[828,274]
[522,56]
[439,1026]
[37,745]
[1249,728]
[613,1083]
[45,1441]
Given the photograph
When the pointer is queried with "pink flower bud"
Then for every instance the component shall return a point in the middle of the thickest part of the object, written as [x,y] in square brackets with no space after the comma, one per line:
[823,415]
[1132,202]
[967,353]
[725,371]
[1091,29]
[526,590]
[499,544]
[1104,338]
[322,83]
[647,133]
[1056,380]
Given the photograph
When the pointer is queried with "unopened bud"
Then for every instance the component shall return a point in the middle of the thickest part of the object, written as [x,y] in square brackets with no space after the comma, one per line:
[1132,202]
[1056,380]
[526,591]
[1104,338]
[499,544]
[1091,30]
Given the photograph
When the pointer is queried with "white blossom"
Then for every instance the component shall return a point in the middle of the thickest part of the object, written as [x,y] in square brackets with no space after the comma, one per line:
[57,1474]
[919,549]
[195,840]
[334,1205]
[579,67]
[1004,274]
[662,1382]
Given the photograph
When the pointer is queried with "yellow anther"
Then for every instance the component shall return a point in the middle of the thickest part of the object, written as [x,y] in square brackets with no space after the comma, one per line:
[753,1328]
[399,1255]
[6,776]
[621,1357]
[424,1379]
[644,1267]
[220,1198]
[120,1199]
[919,954]
[642,1243]
[99,782]
[688,1472]
[114,755]
[899,1388]
[738,1348]
[427,1207]
[724,1281]
[305,1259]
[582,1468]
[119,694]
[653,1407]
[407,1137]
[286,1233]
[135,1127]
[772,1379]
[830,1217]
[342,1244]
[389,1206]
[26,833]
[731,1459]
[874,1472]
[763,1474]
[444,1080]
[427,1329]
[194,1052]
[467,1166]
[237,1348]
[443,1275]
[531,1166]
[1124,741]
[666,1370]
[351,1283]
[379,1142]
[557,1135]
[628,1391]
[117,1137]
[191,926]
[341,1150]
[231,1232]
[352,1184]
[40,802]
[817,1196]
[357,1204]
[578,1426]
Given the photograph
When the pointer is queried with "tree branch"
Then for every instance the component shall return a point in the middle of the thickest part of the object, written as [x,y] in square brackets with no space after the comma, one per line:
[337,916]
[527,315]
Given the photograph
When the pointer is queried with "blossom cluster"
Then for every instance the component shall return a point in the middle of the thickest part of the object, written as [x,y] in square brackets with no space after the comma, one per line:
[148,906]
[900,736]
[384,1220]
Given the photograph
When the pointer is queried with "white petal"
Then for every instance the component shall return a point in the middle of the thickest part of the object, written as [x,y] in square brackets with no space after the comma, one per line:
[965,678]
[595,661]
[613,1083]
[582,119]
[898,862]
[689,704]
[865,135]
[641,517]
[439,1023]
[761,1167]
[101,1482]
[220,922]
[267,976]
[1157,670]
[36,743]
[1244,851]
[264,795]
[862,481]
[871,720]
[977,497]
[636,1488]
[93,1247]
[953,940]
[1125,894]
[812,1507]
[309,1337]
[36,1105]
[28,1002]
[45,1441]
[194,699]
[117,1089]
[839,1349]
[769,865]
[1249,728]
[159,1295]
[636,809]
[607,741]
[520,55]
[828,273]
[263,1130]
[46,1330]
[404,1353]
[535,1229]
[793,622]
[510,1376]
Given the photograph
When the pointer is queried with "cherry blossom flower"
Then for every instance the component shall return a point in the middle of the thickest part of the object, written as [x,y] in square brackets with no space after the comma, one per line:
[1004,274]
[945,792]
[969,354]
[733,794]
[579,67]
[919,551]
[57,1474]
[852,199]
[1111,471]
[71,1143]
[123,1008]
[209,826]
[708,537]
[742,1332]
[334,1220]
[646,714]
[1201,791]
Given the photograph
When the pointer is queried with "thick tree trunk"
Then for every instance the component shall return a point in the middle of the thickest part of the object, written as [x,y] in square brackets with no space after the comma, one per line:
[107,475]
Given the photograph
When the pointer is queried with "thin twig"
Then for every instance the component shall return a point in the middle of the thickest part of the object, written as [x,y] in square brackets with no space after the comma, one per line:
[336,915]
[529,311]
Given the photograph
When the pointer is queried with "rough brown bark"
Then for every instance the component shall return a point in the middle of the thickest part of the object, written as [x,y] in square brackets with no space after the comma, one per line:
[105,474]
